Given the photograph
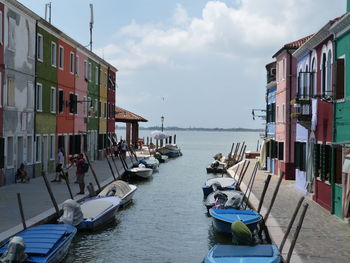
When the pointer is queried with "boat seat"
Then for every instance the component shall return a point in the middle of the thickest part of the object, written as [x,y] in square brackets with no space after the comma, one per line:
[93,209]
[243,251]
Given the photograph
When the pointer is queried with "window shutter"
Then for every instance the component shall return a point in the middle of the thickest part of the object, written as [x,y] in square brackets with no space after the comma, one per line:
[297,155]
[338,83]
[2,149]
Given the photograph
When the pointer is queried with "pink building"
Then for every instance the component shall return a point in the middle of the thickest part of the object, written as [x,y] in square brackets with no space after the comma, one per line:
[80,119]
[285,126]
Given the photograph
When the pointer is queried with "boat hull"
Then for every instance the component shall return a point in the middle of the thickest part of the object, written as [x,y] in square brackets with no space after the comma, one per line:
[223,218]
[37,235]
[243,254]
[124,199]
[224,183]
[93,223]
[170,151]
[143,173]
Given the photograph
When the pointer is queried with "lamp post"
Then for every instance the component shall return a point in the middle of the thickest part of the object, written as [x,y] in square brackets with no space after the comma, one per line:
[162,119]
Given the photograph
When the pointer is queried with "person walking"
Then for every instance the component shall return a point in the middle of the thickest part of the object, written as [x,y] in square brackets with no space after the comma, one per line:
[59,166]
[81,170]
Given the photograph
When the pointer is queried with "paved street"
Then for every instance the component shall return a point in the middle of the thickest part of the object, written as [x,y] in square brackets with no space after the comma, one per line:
[36,200]
[323,238]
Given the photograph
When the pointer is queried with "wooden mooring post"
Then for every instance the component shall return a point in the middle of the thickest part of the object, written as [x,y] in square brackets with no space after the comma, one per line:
[174,138]
[21,210]
[93,172]
[115,166]
[68,186]
[51,193]
[110,166]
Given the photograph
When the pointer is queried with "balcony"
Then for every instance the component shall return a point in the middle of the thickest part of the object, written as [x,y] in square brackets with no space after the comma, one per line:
[302,111]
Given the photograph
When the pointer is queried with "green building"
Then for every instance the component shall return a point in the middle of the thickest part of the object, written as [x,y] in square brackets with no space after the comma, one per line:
[45,99]
[341,135]
[93,114]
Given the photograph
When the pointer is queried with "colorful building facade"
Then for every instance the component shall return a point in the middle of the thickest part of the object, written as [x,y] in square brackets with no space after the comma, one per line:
[50,94]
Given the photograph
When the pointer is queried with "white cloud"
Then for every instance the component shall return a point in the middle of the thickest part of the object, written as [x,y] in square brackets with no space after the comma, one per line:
[247,31]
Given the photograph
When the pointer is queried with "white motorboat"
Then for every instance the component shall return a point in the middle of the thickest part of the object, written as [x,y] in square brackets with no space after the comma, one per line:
[121,189]
[142,172]
[170,150]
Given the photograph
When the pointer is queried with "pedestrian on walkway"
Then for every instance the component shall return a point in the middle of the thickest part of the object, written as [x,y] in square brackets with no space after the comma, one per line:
[123,148]
[59,166]
[81,170]
[21,174]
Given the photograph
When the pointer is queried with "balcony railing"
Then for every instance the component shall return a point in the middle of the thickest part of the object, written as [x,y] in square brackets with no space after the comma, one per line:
[302,110]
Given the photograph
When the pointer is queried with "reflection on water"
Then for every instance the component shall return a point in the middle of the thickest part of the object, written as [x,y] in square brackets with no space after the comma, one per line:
[167,221]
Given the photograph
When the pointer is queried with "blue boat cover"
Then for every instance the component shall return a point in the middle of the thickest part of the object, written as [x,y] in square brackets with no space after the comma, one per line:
[232,215]
[42,239]
[243,251]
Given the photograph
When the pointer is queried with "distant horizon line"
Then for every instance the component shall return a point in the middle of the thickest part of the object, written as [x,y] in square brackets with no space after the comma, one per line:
[176,128]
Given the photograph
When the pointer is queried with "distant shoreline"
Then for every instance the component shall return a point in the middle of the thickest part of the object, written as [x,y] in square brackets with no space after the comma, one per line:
[198,129]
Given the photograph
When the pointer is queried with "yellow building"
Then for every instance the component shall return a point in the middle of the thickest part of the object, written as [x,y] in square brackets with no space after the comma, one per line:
[102,137]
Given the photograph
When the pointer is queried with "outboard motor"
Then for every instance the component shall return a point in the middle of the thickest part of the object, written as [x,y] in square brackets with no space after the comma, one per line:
[220,200]
[15,251]
[72,213]
[215,164]
[218,156]
[235,202]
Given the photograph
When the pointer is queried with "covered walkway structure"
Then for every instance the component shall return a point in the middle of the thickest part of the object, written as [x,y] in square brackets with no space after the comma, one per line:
[132,124]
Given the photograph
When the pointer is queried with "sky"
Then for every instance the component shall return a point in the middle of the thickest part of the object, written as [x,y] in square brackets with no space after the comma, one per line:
[197,63]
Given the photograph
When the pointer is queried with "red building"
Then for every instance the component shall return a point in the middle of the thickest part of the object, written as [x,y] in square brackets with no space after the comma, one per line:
[111,100]
[2,70]
[66,109]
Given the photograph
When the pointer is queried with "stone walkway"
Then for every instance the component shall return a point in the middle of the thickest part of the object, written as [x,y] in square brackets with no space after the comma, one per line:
[36,201]
[323,238]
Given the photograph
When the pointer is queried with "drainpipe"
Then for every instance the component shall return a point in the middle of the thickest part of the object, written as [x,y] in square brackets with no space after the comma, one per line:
[35,82]
[289,106]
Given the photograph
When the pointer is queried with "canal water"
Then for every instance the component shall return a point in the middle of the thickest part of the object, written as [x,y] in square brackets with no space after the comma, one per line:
[167,221]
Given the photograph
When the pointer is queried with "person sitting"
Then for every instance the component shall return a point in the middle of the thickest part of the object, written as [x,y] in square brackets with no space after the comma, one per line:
[22,174]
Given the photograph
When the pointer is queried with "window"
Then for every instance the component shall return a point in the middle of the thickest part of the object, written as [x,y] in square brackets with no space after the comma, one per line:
[53,54]
[106,80]
[277,111]
[329,74]
[0,89]
[85,105]
[306,82]
[12,34]
[73,103]
[300,84]
[284,68]
[61,57]
[89,106]
[52,146]
[324,60]
[30,96]
[90,72]
[96,75]
[283,112]
[96,108]
[10,91]
[29,149]
[60,101]
[71,63]
[340,79]
[105,110]
[39,97]
[85,70]
[40,48]
[100,109]
[53,100]
[77,65]
[38,149]
[313,87]
[10,152]
[300,156]
[1,29]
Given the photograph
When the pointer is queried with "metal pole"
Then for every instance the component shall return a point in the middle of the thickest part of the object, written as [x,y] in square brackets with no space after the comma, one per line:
[21,210]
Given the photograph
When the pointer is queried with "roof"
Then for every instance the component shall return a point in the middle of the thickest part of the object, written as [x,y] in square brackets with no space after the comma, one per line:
[293,45]
[122,115]
[316,39]
[342,26]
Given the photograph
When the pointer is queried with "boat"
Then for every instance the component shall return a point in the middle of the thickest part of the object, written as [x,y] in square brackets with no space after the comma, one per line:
[98,211]
[265,253]
[120,189]
[217,167]
[170,150]
[141,172]
[150,162]
[223,218]
[42,244]
[161,158]
[222,183]
[224,199]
